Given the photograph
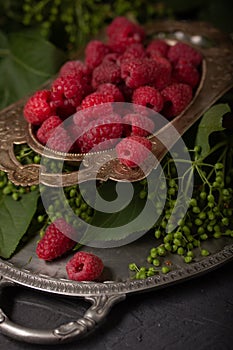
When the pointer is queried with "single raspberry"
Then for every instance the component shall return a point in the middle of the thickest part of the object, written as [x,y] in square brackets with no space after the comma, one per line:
[67,93]
[138,72]
[133,150]
[133,51]
[164,72]
[182,50]
[47,127]
[106,73]
[84,266]
[137,124]
[111,89]
[148,96]
[60,140]
[176,98]
[96,98]
[157,47]
[95,52]
[56,241]
[122,33]
[185,72]
[74,67]
[101,134]
[38,107]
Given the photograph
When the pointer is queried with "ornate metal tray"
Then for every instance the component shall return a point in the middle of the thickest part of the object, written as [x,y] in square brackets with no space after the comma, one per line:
[25,269]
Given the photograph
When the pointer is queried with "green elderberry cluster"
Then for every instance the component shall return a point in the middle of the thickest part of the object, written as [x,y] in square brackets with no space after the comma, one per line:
[209,214]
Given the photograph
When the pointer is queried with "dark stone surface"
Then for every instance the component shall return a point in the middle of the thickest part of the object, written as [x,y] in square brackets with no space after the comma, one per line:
[196,314]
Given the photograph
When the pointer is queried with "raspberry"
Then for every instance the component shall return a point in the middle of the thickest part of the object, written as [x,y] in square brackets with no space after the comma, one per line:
[133,150]
[111,89]
[46,129]
[106,73]
[67,93]
[95,52]
[56,241]
[137,124]
[185,72]
[96,98]
[74,67]
[38,107]
[148,96]
[134,51]
[138,72]
[163,77]
[157,47]
[102,134]
[84,266]
[176,98]
[182,50]
[60,140]
[122,33]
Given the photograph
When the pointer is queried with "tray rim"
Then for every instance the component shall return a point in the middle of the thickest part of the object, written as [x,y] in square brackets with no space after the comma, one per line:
[67,287]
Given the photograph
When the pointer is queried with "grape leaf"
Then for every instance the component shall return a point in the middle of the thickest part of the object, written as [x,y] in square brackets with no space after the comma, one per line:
[210,122]
[26,62]
[138,215]
[15,218]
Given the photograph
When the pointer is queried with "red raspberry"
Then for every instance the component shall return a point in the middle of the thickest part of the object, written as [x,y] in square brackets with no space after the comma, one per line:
[101,134]
[56,241]
[164,72]
[122,33]
[96,98]
[133,150]
[185,72]
[148,96]
[106,73]
[84,266]
[67,93]
[47,127]
[95,52]
[133,51]
[74,67]
[157,47]
[182,50]
[60,140]
[38,107]
[137,124]
[138,72]
[176,98]
[111,89]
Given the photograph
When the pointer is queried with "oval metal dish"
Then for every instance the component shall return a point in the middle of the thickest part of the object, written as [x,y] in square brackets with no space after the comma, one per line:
[24,268]
[217,78]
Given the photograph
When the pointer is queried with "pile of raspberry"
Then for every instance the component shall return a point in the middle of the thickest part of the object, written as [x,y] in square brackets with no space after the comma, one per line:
[125,68]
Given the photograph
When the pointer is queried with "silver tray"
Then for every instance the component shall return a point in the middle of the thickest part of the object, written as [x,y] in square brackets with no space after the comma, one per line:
[24,268]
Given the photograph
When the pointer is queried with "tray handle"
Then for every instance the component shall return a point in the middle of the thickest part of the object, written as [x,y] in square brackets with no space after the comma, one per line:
[101,305]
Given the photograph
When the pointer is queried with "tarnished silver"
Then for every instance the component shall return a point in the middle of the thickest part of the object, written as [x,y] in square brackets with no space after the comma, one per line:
[217,78]
[25,269]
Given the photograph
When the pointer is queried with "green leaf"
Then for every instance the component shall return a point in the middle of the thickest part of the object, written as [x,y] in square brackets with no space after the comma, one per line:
[15,218]
[26,62]
[133,216]
[210,122]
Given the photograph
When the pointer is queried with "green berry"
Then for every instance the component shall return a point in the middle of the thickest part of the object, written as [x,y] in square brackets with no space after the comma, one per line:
[165,269]
[204,252]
